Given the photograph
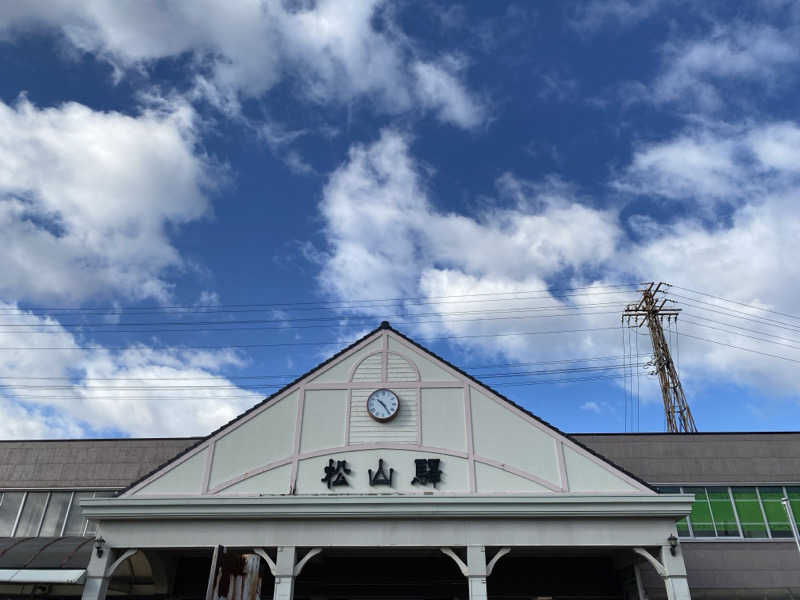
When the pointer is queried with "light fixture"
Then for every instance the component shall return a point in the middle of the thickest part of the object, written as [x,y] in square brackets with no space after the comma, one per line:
[673,543]
[98,546]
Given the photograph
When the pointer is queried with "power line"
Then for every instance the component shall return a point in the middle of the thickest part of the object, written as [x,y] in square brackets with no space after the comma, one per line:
[759,308]
[695,337]
[262,385]
[284,321]
[292,344]
[752,337]
[292,376]
[250,396]
[289,328]
[594,289]
[737,314]
[766,333]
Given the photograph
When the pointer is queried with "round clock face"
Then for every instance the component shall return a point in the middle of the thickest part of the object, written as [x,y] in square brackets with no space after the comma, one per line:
[382,405]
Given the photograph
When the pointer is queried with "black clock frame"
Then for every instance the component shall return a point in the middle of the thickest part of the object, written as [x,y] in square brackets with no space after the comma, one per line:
[383,419]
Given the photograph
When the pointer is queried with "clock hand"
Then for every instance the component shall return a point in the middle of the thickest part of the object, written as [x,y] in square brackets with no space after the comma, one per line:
[383,405]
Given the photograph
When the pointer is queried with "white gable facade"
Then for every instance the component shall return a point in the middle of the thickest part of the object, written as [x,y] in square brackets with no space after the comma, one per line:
[456,468]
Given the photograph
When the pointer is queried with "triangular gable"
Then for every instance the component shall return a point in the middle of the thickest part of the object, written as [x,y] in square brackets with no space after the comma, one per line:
[476,440]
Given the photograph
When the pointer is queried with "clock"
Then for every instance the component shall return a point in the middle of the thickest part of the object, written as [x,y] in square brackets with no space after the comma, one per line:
[382,405]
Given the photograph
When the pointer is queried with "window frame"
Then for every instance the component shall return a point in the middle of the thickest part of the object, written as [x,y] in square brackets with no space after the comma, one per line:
[741,536]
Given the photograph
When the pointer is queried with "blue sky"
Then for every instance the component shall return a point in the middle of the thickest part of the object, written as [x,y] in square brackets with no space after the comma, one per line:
[199,201]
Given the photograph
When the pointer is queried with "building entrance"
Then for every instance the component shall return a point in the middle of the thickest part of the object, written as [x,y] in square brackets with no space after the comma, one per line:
[427,574]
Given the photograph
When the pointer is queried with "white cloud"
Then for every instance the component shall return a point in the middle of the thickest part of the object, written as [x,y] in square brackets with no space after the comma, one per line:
[87,202]
[591,406]
[75,392]
[331,51]
[387,240]
[87,197]
[384,233]
[439,89]
[715,163]
[748,259]
[694,69]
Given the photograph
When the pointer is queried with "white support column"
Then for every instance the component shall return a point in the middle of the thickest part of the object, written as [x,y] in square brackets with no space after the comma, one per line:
[675,573]
[97,576]
[284,573]
[476,572]
[671,569]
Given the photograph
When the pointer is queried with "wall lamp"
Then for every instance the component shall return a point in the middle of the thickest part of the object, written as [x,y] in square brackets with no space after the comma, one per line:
[98,546]
[673,543]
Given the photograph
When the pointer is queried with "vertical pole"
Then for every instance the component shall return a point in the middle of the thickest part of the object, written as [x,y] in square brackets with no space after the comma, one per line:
[675,579]
[476,572]
[792,524]
[639,586]
[96,584]
[212,575]
[284,573]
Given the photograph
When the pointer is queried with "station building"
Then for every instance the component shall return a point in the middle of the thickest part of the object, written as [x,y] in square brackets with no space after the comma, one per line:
[386,472]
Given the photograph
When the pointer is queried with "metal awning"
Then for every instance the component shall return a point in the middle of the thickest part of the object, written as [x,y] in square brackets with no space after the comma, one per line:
[76,576]
[45,553]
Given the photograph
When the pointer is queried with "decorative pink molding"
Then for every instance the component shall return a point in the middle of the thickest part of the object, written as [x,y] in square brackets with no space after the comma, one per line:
[159,474]
[347,417]
[371,384]
[385,359]
[298,431]
[562,465]
[518,472]
[355,366]
[327,452]
[564,440]
[209,464]
[258,471]
[535,422]
[410,363]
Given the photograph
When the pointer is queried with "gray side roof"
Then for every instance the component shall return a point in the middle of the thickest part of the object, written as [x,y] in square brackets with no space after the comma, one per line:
[659,458]
[107,463]
[724,458]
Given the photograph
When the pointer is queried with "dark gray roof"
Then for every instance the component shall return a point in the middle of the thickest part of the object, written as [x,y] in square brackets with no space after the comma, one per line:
[45,552]
[107,463]
[724,458]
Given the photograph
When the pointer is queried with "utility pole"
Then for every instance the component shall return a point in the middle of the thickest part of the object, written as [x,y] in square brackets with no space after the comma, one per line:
[650,310]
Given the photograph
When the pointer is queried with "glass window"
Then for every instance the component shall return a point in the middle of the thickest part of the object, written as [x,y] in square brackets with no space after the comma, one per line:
[31,516]
[9,508]
[702,523]
[55,514]
[775,512]
[76,524]
[682,525]
[750,516]
[722,511]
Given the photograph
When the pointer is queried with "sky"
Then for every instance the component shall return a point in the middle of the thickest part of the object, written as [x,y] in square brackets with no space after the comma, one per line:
[200,201]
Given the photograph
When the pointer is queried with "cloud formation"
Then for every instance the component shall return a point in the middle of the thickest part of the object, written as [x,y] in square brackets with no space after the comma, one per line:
[329,51]
[87,199]
[66,390]
[386,240]
[695,68]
